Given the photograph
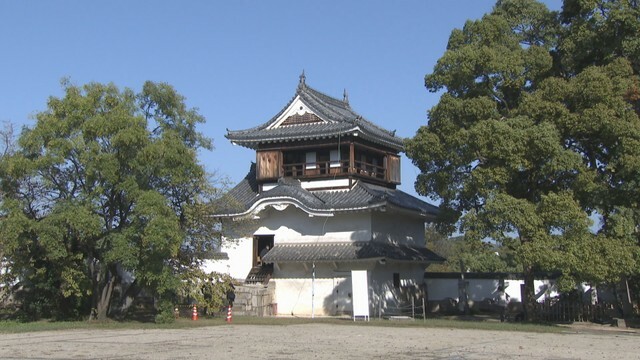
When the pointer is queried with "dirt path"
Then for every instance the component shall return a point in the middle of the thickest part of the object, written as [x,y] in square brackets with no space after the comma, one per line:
[319,341]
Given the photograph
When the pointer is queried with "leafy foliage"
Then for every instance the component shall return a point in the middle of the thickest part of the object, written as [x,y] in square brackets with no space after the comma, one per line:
[207,290]
[105,197]
[470,256]
[537,131]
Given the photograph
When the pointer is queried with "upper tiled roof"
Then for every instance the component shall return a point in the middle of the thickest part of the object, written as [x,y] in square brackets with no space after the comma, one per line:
[339,120]
[245,198]
[349,251]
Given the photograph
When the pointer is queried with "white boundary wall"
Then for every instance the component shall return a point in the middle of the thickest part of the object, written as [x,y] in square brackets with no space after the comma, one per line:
[480,289]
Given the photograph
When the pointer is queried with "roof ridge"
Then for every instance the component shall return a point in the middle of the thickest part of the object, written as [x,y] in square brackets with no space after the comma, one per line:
[367,189]
[332,99]
[346,106]
[356,120]
[310,94]
[389,132]
[296,184]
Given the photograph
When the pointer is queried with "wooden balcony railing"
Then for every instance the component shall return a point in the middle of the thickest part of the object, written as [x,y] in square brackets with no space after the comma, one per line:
[322,169]
[372,170]
[316,169]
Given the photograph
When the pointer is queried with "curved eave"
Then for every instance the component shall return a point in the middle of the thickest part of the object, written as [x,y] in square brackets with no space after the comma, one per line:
[276,202]
[372,259]
[254,142]
[321,260]
[369,259]
[354,131]
[419,213]
[360,251]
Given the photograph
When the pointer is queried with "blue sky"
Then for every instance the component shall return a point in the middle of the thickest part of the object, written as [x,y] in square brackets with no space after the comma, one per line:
[238,62]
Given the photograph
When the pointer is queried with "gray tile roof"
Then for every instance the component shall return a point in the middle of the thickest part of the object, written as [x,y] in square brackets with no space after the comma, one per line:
[361,196]
[241,196]
[349,251]
[340,120]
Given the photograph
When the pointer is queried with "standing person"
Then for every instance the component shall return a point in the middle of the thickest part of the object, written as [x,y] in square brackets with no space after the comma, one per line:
[231,295]
[503,302]
[263,252]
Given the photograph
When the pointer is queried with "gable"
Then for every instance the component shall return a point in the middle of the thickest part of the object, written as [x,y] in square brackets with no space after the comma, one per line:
[297,113]
[297,119]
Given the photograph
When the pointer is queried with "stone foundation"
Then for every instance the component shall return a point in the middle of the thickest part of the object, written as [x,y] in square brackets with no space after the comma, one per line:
[255,300]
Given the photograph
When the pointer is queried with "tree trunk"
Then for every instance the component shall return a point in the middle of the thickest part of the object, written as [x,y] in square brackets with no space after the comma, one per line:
[102,307]
[623,295]
[94,275]
[528,295]
[104,281]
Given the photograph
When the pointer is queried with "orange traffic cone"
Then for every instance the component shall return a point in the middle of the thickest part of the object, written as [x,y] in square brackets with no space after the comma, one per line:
[229,317]
[194,314]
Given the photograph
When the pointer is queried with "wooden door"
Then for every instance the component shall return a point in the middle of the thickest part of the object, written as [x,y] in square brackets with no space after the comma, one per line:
[268,165]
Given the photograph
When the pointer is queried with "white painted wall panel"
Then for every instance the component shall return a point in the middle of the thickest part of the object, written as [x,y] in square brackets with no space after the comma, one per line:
[360,285]
[293,225]
[240,259]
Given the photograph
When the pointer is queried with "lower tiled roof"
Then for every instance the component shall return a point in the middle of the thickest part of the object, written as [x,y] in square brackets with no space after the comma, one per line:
[349,251]
[244,196]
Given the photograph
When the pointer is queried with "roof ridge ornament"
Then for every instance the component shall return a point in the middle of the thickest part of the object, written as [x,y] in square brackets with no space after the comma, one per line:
[302,83]
[345,97]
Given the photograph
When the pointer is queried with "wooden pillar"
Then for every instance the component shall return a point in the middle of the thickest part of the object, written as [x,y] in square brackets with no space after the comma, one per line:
[352,157]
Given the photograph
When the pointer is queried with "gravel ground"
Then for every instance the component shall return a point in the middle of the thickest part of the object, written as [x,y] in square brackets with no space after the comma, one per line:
[320,341]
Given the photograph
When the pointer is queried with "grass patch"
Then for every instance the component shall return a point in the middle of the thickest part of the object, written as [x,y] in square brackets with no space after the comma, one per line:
[185,323]
[19,327]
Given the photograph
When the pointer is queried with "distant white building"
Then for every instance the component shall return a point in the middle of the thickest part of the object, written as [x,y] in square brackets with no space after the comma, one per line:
[323,197]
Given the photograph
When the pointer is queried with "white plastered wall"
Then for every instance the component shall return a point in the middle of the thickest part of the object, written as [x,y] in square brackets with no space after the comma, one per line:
[240,259]
[293,225]
[398,229]
[332,287]
[298,294]
[293,286]
[385,297]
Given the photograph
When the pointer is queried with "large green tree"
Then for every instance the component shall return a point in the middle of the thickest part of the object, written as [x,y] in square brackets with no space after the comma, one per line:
[7,147]
[104,197]
[471,255]
[534,134]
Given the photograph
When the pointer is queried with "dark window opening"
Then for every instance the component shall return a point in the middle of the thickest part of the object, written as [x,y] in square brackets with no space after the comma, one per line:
[396,280]
[261,245]
[370,164]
